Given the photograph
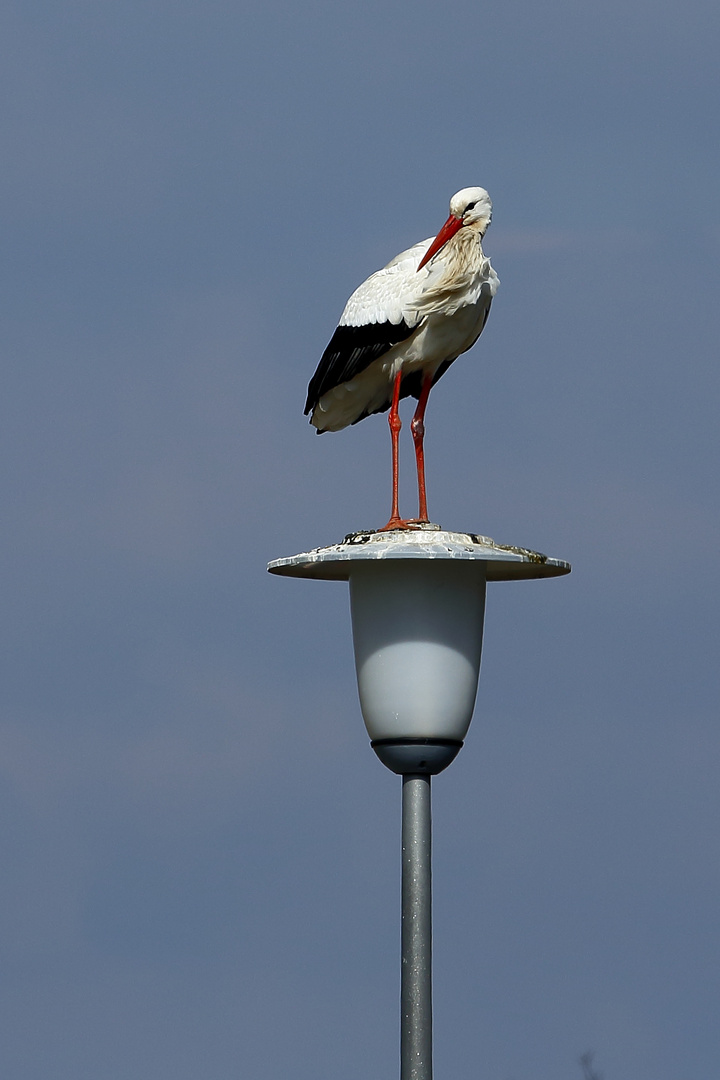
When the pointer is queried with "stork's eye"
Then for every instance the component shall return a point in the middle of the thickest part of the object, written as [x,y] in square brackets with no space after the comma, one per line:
[469,206]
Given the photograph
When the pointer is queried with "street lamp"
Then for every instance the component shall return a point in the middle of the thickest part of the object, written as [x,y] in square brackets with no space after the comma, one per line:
[417,599]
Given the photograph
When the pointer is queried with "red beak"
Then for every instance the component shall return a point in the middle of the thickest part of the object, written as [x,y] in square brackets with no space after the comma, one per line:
[448,230]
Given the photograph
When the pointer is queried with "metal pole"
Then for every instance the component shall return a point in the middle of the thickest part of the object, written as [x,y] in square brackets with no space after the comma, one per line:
[416,970]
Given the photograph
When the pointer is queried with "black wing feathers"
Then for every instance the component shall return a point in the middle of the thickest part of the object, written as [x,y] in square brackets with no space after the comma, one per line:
[350,351]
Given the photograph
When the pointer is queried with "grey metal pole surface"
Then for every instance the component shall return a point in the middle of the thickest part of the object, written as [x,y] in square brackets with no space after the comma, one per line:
[416,970]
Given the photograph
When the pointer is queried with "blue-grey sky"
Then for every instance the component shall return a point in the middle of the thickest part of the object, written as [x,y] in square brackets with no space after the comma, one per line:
[200,853]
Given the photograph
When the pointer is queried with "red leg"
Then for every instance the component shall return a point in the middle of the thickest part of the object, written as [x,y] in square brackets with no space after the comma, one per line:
[418,433]
[395,423]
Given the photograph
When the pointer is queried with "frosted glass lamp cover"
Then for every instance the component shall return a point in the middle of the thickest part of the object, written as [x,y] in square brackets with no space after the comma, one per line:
[417,631]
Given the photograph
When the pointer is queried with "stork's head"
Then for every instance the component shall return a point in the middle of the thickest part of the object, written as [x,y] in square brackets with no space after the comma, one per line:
[471,206]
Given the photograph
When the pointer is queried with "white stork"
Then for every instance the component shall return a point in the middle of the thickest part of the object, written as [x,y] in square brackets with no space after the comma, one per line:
[402,329]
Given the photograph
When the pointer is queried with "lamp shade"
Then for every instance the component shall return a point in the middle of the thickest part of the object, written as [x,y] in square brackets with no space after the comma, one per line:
[418,601]
[417,632]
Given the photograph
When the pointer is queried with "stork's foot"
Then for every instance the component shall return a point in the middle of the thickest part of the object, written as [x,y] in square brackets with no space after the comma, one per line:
[404,523]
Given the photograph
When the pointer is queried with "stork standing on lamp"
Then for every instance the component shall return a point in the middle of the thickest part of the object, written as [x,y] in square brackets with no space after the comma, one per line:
[402,329]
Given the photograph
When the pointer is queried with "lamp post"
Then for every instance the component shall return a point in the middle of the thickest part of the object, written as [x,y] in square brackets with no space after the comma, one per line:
[417,599]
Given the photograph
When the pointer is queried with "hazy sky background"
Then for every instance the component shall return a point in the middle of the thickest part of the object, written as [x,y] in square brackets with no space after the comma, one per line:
[200,852]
